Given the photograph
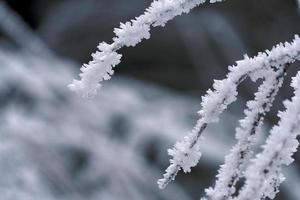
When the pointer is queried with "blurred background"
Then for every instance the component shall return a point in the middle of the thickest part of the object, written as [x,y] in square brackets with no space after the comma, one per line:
[55,145]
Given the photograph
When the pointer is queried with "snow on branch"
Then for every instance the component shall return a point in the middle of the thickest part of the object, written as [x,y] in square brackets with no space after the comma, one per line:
[128,34]
[186,153]
[265,174]
[246,134]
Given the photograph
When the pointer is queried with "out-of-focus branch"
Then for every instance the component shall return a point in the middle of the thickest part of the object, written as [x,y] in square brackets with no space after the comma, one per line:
[13,26]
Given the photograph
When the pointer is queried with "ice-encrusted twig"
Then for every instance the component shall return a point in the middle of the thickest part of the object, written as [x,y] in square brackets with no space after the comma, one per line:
[186,153]
[128,34]
[246,134]
[264,175]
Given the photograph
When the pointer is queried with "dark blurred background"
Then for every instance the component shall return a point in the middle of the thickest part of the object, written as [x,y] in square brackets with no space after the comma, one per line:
[186,55]
[183,58]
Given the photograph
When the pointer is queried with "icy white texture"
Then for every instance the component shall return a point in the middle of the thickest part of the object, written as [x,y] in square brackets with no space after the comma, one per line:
[246,134]
[265,174]
[38,148]
[33,142]
[128,34]
[42,130]
[186,153]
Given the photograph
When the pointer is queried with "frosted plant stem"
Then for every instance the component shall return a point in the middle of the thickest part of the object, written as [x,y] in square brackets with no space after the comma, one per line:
[128,34]
[264,175]
[231,171]
[173,169]
[186,153]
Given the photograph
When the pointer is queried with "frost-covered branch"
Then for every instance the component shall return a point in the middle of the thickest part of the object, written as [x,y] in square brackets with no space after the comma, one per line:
[128,34]
[264,175]
[246,134]
[186,153]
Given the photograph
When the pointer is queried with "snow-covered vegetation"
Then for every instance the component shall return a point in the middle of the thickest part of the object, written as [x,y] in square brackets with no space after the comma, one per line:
[262,180]
[270,66]
[55,145]
[128,34]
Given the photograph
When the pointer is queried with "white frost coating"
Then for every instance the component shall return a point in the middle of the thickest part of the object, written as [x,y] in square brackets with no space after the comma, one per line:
[97,70]
[246,134]
[128,34]
[186,153]
[264,175]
